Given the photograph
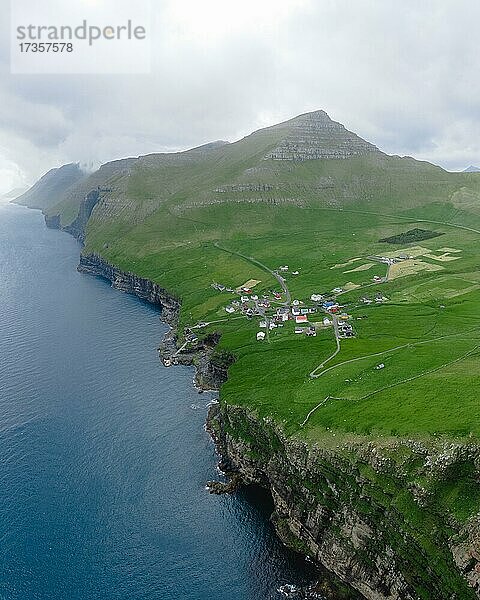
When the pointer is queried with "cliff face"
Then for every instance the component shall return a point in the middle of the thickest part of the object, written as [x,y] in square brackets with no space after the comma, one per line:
[132,284]
[314,135]
[354,510]
[78,226]
[211,366]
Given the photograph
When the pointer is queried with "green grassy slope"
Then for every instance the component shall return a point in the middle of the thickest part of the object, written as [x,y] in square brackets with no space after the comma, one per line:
[53,185]
[163,215]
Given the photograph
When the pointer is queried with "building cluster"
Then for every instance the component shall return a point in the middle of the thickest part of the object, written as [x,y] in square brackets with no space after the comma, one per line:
[389,260]
[285,269]
[274,314]
[379,299]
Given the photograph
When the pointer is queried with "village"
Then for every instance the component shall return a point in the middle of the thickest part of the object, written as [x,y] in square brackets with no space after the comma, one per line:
[275,309]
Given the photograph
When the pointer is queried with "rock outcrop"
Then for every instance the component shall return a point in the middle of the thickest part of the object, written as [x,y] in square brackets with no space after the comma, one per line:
[78,226]
[130,283]
[350,509]
[211,366]
[316,136]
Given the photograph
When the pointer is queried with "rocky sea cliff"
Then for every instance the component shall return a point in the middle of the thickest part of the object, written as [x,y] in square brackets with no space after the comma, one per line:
[369,512]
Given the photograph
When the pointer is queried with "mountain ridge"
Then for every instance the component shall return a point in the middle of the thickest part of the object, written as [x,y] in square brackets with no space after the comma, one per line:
[261,161]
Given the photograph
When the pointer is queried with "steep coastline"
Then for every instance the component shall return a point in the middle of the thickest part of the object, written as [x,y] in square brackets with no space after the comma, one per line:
[339,506]
[354,509]
[210,373]
[130,283]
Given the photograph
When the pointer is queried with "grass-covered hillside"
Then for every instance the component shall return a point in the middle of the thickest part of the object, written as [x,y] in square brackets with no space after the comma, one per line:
[49,188]
[399,355]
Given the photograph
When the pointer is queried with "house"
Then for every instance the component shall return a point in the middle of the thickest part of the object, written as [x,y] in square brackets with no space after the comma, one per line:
[296,302]
[277,296]
[262,324]
[260,336]
[311,332]
[312,311]
[337,290]
[301,319]
[295,311]
[380,366]
[299,329]
[376,278]
[316,297]
[295,273]
[304,311]
[272,325]
[244,298]
[284,268]
[230,309]
[328,304]
[255,297]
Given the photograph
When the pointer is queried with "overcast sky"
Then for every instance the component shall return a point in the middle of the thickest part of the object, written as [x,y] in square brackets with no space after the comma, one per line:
[403,74]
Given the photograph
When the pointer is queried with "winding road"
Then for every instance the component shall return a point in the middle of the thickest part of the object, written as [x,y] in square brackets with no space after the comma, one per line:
[278,277]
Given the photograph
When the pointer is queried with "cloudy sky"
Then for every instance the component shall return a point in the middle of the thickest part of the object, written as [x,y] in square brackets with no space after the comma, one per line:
[402,74]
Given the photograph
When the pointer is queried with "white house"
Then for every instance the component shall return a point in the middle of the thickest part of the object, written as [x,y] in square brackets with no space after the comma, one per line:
[260,336]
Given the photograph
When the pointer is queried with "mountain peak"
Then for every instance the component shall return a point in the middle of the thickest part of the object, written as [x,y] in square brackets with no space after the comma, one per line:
[472,169]
[314,135]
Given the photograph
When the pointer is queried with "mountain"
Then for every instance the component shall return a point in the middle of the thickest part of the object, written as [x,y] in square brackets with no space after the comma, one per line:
[292,162]
[49,188]
[471,169]
[349,387]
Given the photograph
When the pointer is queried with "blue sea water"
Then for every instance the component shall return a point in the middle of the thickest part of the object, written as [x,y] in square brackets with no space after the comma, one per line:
[103,455]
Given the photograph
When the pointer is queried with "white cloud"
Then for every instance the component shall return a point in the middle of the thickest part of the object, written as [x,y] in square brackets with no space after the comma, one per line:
[401,74]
